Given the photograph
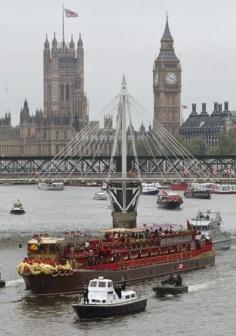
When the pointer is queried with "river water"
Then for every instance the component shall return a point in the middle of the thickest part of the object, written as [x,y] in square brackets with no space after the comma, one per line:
[208,309]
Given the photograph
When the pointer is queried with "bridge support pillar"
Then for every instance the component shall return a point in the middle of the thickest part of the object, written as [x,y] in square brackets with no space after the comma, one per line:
[124,201]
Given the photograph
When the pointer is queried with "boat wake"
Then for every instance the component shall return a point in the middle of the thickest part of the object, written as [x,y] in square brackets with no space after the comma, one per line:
[15,282]
[195,288]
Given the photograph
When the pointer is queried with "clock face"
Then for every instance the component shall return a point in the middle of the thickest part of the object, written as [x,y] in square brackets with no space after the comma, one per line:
[171,78]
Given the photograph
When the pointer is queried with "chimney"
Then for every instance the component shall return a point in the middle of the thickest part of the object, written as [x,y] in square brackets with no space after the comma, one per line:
[194,109]
[220,108]
[203,107]
[226,106]
[215,107]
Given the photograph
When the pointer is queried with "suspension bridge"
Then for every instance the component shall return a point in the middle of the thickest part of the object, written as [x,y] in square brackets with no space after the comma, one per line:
[95,168]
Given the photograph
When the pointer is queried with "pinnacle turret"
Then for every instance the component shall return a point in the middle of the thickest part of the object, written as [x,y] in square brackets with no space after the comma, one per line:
[72,43]
[54,41]
[46,43]
[80,42]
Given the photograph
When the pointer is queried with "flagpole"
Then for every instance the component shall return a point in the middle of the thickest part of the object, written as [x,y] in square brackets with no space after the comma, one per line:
[63,27]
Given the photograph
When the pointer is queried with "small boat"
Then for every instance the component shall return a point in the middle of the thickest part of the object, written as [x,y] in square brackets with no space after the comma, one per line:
[194,191]
[150,189]
[223,188]
[17,208]
[171,286]
[100,195]
[209,224]
[217,188]
[101,299]
[2,282]
[52,186]
[169,199]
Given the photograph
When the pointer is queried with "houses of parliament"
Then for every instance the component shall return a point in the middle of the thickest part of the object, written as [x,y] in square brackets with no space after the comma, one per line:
[65,105]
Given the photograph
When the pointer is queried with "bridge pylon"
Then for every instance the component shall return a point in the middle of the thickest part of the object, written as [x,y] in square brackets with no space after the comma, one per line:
[124,204]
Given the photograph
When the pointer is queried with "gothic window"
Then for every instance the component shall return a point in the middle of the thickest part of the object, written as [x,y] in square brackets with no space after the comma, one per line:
[75,106]
[62,92]
[173,100]
[49,93]
[77,84]
[57,135]
[67,92]
[28,131]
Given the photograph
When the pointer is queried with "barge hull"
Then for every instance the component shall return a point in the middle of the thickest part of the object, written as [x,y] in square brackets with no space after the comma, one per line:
[43,284]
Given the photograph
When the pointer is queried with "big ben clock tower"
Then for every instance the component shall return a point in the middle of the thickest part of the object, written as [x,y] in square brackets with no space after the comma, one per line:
[167,85]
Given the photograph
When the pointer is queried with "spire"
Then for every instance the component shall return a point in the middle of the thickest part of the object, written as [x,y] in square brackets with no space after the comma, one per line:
[167,52]
[167,35]
[54,41]
[80,42]
[123,85]
[72,43]
[46,43]
[26,105]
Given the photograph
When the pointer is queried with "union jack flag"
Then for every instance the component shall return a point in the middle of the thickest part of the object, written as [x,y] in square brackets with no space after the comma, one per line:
[70,13]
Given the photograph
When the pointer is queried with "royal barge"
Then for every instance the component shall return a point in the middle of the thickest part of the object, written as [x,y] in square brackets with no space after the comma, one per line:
[64,265]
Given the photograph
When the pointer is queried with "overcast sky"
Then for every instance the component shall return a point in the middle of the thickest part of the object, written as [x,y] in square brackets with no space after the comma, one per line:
[120,36]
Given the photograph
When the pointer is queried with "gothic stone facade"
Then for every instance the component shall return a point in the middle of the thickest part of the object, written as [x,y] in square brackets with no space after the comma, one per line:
[167,85]
[65,105]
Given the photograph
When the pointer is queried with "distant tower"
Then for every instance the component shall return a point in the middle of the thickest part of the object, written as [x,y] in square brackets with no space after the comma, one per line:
[108,122]
[64,94]
[24,113]
[167,85]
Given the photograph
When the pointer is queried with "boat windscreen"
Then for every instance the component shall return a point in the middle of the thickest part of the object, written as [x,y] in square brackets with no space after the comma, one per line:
[101,284]
[93,284]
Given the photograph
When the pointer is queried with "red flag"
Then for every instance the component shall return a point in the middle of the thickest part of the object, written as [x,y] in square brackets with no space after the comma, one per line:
[70,13]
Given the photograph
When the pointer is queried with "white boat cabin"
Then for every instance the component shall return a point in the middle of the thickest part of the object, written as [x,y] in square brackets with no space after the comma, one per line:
[102,291]
[149,187]
[205,221]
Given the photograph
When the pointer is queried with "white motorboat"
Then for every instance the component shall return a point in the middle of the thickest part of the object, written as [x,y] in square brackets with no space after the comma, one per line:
[150,188]
[100,195]
[101,299]
[209,224]
[216,188]
[52,186]
[17,208]
[223,188]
